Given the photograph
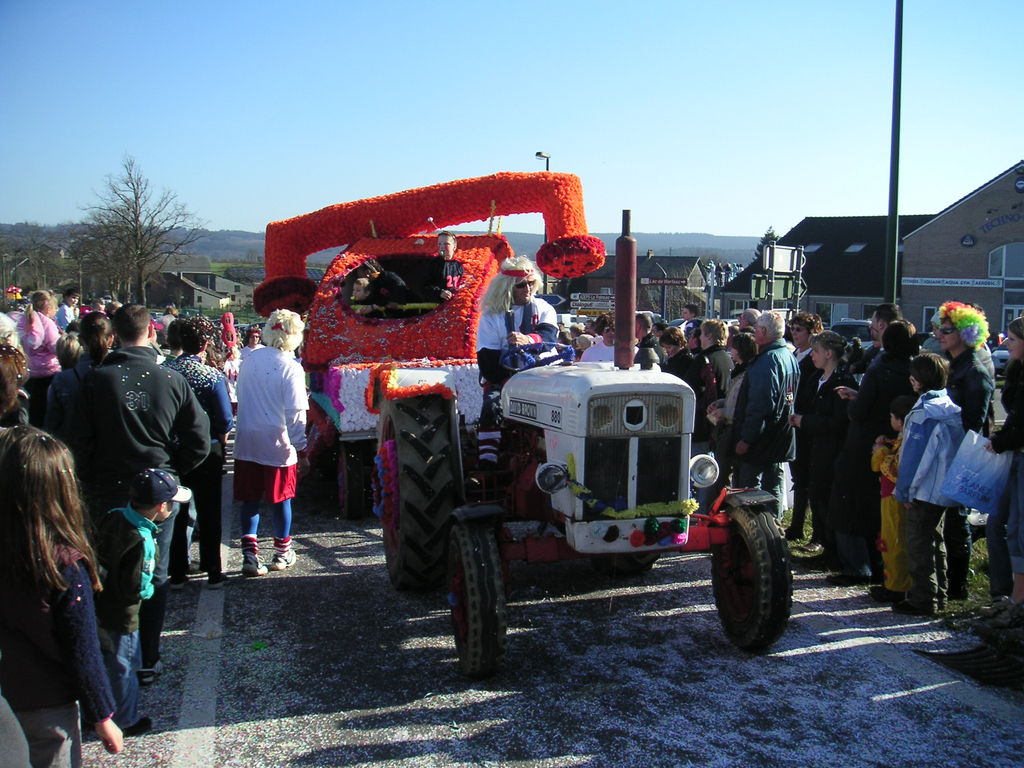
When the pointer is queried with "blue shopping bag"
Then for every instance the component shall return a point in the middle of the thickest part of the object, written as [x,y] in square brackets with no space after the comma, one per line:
[977,478]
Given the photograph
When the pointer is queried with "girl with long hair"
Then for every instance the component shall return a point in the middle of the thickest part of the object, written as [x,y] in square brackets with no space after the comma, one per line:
[51,663]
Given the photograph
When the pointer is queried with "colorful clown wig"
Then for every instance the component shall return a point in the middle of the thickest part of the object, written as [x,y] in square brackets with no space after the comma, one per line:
[499,293]
[968,320]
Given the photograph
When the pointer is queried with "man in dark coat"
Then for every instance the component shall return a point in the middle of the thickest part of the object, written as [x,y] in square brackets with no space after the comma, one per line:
[854,509]
[133,414]
[803,327]
[644,328]
[962,332]
[764,437]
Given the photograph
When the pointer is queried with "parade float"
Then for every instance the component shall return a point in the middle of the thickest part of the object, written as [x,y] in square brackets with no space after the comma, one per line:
[599,454]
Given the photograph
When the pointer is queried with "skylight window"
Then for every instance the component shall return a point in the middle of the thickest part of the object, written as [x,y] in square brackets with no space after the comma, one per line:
[856,247]
[812,247]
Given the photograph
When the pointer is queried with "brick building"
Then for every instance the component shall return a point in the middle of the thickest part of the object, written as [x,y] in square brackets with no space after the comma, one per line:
[973,250]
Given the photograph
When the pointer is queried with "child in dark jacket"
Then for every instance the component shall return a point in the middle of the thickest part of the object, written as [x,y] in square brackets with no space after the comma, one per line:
[51,664]
[127,555]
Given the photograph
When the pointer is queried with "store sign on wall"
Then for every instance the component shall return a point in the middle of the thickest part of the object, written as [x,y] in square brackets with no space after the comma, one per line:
[998,221]
[953,282]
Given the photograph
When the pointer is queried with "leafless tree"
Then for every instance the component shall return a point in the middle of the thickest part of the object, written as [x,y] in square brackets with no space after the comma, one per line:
[32,256]
[133,231]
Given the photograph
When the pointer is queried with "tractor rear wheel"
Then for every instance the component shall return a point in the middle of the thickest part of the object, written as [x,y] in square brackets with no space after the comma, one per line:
[625,564]
[476,594]
[751,579]
[424,481]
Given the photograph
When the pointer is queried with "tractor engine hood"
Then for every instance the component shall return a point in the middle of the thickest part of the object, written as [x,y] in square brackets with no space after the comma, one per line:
[594,399]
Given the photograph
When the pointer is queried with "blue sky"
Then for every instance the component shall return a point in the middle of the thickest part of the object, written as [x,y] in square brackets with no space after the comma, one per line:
[719,117]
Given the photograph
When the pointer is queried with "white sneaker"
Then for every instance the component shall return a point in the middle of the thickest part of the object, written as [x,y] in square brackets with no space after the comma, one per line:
[283,560]
[251,565]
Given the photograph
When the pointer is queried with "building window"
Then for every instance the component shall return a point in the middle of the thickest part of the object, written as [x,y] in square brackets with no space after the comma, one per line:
[926,318]
[831,313]
[199,298]
[238,289]
[1006,261]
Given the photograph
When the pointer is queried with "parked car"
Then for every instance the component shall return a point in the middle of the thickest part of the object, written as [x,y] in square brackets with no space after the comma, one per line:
[1000,357]
[849,329]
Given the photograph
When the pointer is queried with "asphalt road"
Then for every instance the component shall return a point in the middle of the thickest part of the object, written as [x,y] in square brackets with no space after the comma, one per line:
[327,665]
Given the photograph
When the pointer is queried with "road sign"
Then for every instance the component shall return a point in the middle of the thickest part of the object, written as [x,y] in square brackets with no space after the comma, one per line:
[782,290]
[781,258]
[598,305]
[592,297]
[551,298]
[664,281]
[590,312]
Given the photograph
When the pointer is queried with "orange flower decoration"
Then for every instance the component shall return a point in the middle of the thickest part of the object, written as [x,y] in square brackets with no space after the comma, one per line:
[558,196]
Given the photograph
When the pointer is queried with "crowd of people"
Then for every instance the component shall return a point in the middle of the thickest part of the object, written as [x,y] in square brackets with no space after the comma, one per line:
[868,433]
[112,449]
[849,420]
[113,429]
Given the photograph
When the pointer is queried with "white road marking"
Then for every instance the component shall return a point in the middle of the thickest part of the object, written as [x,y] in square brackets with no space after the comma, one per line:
[195,745]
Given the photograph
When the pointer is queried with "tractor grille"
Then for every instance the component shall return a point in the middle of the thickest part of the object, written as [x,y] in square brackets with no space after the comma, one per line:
[606,473]
[651,414]
[659,464]
[606,469]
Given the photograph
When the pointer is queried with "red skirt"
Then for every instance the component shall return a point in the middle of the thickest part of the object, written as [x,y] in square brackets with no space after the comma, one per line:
[257,482]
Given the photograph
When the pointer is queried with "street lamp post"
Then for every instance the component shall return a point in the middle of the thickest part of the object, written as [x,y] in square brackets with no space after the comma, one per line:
[547,167]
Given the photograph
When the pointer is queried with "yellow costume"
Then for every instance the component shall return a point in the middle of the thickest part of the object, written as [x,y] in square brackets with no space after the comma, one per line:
[886,459]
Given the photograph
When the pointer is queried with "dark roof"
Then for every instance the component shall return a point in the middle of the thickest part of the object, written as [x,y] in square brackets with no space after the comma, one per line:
[831,270]
[256,275]
[188,262]
[674,266]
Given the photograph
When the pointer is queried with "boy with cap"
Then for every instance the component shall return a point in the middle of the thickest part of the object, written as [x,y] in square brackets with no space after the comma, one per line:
[126,551]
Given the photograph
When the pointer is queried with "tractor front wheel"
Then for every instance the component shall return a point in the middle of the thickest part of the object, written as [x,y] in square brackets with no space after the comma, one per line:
[752,580]
[477,598]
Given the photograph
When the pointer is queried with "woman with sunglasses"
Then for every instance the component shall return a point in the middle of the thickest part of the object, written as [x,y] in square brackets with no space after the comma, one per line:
[511,316]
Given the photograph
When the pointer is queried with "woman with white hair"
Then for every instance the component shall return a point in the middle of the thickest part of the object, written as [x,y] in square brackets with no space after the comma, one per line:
[511,317]
[270,445]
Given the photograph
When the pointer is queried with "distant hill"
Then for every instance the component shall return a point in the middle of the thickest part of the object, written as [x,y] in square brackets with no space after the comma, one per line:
[236,245]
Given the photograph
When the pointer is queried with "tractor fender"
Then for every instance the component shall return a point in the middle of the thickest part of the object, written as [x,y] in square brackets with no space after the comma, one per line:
[745,498]
[391,383]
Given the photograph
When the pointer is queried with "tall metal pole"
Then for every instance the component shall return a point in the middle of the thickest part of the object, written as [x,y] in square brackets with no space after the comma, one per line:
[625,295]
[892,232]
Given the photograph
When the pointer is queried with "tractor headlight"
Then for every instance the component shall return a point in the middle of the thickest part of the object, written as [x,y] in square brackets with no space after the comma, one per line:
[552,478]
[703,470]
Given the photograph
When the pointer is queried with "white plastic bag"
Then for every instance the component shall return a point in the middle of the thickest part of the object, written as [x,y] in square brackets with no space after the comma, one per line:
[977,478]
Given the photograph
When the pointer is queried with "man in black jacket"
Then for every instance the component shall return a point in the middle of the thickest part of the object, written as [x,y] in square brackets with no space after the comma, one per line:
[133,414]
